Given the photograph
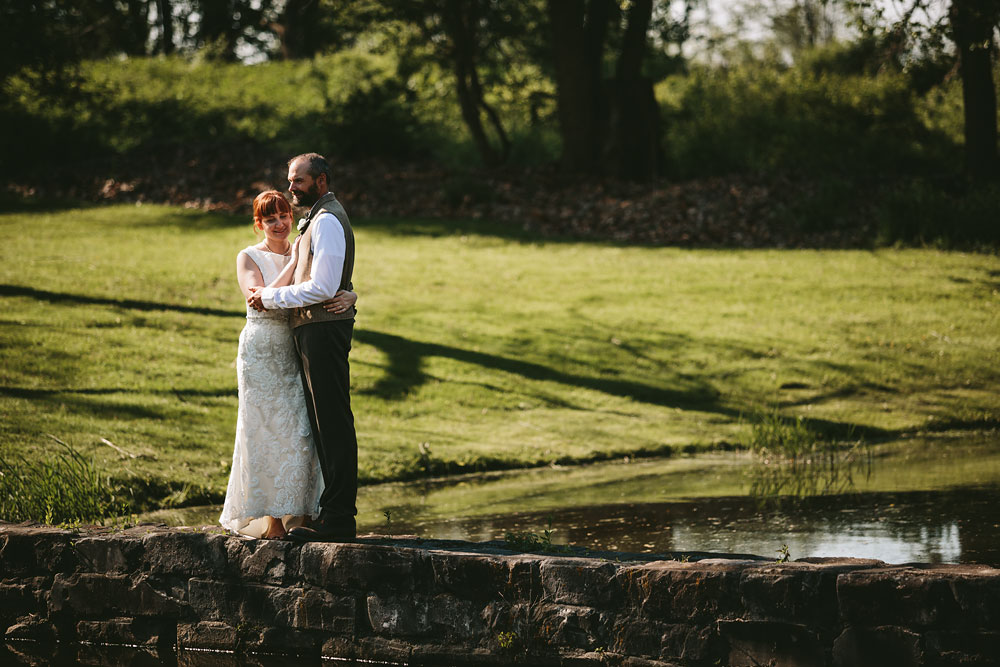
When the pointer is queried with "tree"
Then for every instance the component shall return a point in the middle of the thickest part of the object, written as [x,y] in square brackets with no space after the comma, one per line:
[462,22]
[219,27]
[633,145]
[804,25]
[308,27]
[297,29]
[165,21]
[607,126]
[52,36]
[579,31]
[972,25]
[473,41]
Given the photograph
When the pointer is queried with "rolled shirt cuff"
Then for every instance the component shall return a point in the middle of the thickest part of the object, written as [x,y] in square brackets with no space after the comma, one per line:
[267,298]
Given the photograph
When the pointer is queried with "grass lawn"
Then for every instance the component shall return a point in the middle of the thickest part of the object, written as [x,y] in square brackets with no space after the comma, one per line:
[479,347]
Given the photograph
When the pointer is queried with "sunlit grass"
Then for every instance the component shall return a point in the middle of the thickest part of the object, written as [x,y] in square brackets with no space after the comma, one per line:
[478,347]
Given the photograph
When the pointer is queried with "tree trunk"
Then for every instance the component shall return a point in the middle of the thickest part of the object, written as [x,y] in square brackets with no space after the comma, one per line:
[460,24]
[295,29]
[165,15]
[217,29]
[972,23]
[136,33]
[579,30]
[633,147]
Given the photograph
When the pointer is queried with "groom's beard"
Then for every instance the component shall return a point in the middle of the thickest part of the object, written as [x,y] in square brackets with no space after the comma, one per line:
[306,198]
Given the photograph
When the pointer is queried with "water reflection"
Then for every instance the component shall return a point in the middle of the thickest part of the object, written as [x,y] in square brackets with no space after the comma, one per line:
[829,472]
[935,527]
[928,501]
[37,654]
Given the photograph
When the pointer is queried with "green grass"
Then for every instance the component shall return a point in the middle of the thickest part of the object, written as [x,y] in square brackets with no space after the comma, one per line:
[480,348]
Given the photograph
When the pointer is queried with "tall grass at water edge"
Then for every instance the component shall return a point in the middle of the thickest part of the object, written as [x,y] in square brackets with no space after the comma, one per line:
[793,460]
[65,486]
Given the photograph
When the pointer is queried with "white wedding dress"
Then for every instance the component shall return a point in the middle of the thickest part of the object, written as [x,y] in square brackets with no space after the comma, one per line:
[275,467]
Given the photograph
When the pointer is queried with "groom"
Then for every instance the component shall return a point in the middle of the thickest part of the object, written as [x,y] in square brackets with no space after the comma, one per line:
[323,341]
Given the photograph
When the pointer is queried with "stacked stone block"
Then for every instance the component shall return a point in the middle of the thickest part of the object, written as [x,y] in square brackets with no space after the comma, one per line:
[426,602]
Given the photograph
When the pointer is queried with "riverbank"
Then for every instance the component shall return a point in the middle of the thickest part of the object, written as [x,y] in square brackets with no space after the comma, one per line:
[121,325]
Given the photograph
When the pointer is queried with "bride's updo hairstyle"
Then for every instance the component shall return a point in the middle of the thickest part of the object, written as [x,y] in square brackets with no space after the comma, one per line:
[269,202]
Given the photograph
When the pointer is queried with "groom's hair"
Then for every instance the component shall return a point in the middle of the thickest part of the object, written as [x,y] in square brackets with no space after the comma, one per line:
[317,165]
[268,203]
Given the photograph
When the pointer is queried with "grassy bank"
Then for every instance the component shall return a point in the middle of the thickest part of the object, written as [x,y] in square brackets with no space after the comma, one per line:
[478,349]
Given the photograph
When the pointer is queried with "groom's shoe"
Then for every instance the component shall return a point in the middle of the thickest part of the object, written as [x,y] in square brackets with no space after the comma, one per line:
[325,529]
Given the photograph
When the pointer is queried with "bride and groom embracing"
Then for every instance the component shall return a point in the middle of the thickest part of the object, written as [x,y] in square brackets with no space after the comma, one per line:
[296,451]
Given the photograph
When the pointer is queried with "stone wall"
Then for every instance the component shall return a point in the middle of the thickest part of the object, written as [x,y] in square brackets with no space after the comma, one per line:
[424,602]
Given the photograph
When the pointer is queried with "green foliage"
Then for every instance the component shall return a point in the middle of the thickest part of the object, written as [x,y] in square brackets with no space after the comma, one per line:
[63,486]
[939,214]
[853,133]
[351,101]
[521,540]
[866,148]
[760,118]
[351,104]
[387,513]
[505,640]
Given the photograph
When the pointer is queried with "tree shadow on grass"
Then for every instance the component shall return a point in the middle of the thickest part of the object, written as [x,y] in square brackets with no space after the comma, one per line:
[87,401]
[86,404]
[406,357]
[405,369]
[130,304]
[14,204]
[440,228]
[182,394]
[196,220]
[405,373]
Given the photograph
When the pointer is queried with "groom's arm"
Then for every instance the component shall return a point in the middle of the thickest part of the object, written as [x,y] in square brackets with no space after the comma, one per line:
[329,248]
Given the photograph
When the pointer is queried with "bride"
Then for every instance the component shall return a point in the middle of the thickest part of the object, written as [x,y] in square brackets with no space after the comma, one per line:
[275,481]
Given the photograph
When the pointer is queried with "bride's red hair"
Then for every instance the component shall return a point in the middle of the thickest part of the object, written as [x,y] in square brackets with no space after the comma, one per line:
[268,203]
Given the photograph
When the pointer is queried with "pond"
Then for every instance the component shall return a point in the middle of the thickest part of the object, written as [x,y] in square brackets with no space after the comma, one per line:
[924,500]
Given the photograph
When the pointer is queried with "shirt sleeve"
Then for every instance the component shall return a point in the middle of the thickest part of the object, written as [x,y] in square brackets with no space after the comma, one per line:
[329,247]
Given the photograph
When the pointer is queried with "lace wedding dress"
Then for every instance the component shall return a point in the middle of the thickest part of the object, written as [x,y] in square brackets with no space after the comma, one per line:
[275,467]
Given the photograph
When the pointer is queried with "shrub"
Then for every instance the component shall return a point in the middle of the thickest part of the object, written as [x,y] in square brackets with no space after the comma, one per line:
[941,214]
[760,118]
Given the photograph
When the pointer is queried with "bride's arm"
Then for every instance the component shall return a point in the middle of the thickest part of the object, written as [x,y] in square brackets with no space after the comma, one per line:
[288,273]
[248,274]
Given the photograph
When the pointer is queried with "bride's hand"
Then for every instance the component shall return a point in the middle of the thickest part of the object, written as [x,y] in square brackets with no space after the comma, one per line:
[341,302]
[255,300]
[295,249]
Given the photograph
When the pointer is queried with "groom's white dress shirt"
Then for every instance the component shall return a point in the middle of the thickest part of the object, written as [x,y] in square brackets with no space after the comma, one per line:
[329,248]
